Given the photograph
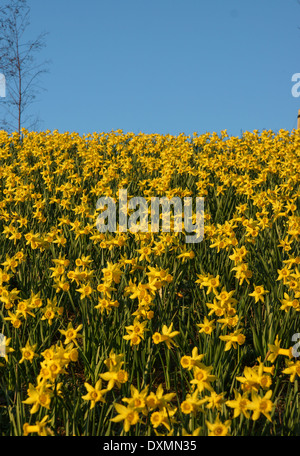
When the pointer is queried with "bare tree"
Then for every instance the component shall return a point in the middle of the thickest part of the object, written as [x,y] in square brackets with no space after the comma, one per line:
[19,66]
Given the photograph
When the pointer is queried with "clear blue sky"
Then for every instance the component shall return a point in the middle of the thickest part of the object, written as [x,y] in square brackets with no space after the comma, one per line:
[168,66]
